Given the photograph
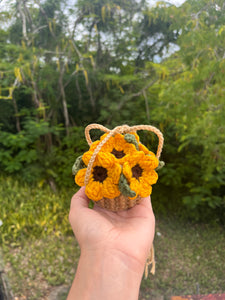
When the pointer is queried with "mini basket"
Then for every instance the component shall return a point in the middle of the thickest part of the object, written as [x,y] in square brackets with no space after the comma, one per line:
[121,202]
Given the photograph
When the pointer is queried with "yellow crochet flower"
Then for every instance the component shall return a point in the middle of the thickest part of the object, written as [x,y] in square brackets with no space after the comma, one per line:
[140,174]
[104,178]
[116,145]
[120,148]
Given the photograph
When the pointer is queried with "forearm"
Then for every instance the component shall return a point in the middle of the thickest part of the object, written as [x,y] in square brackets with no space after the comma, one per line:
[106,275]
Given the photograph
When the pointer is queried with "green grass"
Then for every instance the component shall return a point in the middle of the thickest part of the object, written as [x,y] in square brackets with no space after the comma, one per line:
[41,253]
[38,265]
[28,211]
[187,256]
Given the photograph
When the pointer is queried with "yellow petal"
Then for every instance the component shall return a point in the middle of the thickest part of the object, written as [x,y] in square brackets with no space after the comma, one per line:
[143,148]
[129,148]
[114,173]
[133,159]
[145,191]
[149,162]
[150,176]
[87,155]
[149,165]
[79,178]
[108,146]
[94,190]
[119,139]
[151,153]
[120,144]
[127,171]
[135,185]
[144,187]
[94,145]
[110,190]
[106,160]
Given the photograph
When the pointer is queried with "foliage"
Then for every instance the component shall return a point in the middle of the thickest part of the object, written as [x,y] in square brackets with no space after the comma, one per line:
[115,62]
[32,212]
[194,102]
[29,153]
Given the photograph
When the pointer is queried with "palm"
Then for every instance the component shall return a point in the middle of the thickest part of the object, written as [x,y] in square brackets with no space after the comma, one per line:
[130,232]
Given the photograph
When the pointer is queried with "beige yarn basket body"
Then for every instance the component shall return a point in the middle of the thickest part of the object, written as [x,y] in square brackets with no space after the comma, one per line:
[121,202]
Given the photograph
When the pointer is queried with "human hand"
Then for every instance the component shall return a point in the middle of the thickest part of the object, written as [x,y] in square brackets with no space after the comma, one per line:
[128,234]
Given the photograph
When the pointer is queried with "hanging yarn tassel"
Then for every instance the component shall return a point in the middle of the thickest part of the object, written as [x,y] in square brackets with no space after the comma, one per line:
[150,261]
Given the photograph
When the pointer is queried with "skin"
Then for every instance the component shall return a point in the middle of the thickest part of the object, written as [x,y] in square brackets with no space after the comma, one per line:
[114,249]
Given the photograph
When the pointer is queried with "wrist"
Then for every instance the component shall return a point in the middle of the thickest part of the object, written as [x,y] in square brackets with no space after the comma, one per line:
[115,258]
[107,274]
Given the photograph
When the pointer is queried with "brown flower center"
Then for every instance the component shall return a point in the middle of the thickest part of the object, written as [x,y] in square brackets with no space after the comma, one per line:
[100,174]
[118,154]
[137,171]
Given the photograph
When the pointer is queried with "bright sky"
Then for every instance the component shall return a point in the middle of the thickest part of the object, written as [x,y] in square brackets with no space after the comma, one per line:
[5,3]
[175,2]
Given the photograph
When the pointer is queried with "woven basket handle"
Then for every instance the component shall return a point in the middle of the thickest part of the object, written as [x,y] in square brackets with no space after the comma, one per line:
[93,126]
[120,129]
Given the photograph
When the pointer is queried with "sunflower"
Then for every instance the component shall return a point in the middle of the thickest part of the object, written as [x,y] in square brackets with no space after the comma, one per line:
[104,178]
[140,174]
[117,146]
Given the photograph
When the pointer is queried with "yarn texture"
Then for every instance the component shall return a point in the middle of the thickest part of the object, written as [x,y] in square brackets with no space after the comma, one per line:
[118,164]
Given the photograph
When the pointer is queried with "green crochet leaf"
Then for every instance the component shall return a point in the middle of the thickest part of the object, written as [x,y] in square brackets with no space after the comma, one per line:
[91,204]
[125,188]
[79,164]
[161,165]
[130,138]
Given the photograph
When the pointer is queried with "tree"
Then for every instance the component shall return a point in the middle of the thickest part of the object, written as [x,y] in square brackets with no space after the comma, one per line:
[95,61]
[191,106]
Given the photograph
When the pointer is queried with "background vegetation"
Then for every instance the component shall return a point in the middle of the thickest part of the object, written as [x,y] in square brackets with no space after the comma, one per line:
[41,254]
[65,64]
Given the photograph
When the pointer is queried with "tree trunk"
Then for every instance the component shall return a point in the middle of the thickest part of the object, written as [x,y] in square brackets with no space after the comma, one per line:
[64,103]
[16,114]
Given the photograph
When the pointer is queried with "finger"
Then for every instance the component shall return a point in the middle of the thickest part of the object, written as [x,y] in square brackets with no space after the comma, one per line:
[143,209]
[79,199]
[79,202]
[146,202]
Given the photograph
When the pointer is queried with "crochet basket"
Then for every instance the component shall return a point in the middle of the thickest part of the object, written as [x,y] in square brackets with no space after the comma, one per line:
[125,199]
